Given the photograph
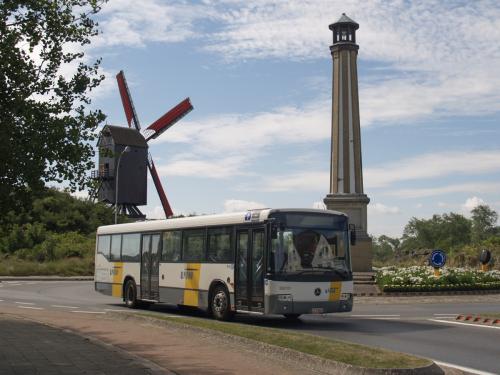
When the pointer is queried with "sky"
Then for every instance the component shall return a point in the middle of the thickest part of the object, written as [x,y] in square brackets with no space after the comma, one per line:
[258,74]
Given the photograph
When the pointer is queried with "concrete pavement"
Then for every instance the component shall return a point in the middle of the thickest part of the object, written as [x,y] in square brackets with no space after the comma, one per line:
[27,347]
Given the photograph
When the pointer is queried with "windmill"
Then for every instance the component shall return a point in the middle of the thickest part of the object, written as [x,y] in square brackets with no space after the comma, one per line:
[153,131]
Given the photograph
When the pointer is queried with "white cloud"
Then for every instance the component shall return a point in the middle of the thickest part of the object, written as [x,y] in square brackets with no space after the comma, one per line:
[237,205]
[379,208]
[305,181]
[443,59]
[136,23]
[431,166]
[154,212]
[233,132]
[472,203]
[203,168]
[473,187]
[319,205]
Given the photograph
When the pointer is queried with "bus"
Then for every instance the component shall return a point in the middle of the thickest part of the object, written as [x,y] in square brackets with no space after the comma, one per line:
[267,261]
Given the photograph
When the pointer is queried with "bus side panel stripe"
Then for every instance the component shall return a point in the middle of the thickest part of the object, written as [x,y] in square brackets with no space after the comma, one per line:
[192,281]
[117,279]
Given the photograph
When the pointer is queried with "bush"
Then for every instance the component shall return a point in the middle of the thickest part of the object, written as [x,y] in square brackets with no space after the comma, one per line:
[421,278]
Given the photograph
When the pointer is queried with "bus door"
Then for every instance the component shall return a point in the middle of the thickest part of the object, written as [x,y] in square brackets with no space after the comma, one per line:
[249,287]
[150,267]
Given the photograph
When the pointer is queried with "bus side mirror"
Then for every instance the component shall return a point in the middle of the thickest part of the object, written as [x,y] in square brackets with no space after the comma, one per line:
[352,230]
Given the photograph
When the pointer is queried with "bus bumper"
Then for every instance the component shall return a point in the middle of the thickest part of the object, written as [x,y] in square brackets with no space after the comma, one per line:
[274,306]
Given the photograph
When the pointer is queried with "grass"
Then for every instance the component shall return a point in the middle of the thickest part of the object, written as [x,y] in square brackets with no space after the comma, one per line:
[63,267]
[336,350]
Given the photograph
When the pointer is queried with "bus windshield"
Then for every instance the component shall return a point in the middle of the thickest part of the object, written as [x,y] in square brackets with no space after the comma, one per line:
[306,243]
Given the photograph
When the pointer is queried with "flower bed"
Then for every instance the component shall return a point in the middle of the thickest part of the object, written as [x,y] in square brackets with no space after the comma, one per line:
[422,279]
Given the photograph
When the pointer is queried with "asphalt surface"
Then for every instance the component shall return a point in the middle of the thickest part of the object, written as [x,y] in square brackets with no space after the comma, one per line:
[420,326]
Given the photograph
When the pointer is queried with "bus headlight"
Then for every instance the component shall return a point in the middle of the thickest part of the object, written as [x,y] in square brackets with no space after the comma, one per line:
[345,296]
[285,298]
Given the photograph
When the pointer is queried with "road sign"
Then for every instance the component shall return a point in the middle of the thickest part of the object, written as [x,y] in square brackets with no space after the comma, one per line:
[437,258]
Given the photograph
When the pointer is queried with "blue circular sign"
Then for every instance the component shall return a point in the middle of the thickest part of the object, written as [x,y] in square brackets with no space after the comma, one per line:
[437,258]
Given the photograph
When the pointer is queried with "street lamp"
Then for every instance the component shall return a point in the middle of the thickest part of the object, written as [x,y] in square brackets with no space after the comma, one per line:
[126,149]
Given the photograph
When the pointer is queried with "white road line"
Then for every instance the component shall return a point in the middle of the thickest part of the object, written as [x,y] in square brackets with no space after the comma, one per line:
[1,300]
[65,307]
[31,307]
[373,315]
[463,324]
[122,310]
[463,368]
[88,312]
[25,303]
[445,314]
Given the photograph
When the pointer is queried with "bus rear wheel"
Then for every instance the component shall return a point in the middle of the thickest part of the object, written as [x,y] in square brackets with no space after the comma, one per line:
[130,295]
[220,304]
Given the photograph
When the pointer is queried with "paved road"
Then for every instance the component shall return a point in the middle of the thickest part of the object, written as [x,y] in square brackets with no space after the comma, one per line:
[421,326]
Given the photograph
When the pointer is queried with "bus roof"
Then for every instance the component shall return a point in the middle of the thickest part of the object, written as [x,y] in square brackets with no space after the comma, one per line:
[250,216]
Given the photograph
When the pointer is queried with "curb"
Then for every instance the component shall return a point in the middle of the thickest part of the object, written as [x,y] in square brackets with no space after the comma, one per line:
[476,319]
[46,278]
[309,361]
[441,293]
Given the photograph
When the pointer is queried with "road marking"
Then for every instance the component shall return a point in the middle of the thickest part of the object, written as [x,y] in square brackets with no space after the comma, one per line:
[445,314]
[1,300]
[25,303]
[122,310]
[31,307]
[373,316]
[65,307]
[88,312]
[463,324]
[462,368]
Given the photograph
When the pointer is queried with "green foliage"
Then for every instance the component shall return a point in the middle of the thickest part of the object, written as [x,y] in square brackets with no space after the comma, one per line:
[58,228]
[462,239]
[46,127]
[447,231]
[484,220]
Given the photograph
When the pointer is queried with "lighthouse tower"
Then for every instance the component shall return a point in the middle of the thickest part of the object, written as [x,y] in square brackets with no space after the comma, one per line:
[346,168]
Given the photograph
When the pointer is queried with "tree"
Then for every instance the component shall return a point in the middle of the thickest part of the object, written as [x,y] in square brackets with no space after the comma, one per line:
[484,220]
[46,127]
[386,248]
[447,231]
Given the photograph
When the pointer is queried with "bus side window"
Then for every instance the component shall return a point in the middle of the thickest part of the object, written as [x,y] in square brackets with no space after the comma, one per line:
[171,251]
[103,244]
[131,247]
[116,244]
[219,245]
[193,245]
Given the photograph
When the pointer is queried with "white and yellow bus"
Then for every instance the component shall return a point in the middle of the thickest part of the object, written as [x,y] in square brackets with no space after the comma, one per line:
[269,261]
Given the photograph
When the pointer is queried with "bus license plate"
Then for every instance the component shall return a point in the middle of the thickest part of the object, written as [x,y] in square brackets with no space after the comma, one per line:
[317,310]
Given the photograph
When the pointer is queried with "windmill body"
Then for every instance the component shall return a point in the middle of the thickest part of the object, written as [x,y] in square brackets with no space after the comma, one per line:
[114,140]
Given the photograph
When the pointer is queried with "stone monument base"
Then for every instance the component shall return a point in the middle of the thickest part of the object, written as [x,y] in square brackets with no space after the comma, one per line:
[355,206]
[362,255]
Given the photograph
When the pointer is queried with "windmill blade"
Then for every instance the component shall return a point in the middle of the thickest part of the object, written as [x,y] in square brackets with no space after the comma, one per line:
[159,188]
[168,119]
[128,105]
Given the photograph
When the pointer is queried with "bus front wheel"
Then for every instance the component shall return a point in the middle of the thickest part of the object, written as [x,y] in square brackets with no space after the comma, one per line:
[131,295]
[220,304]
